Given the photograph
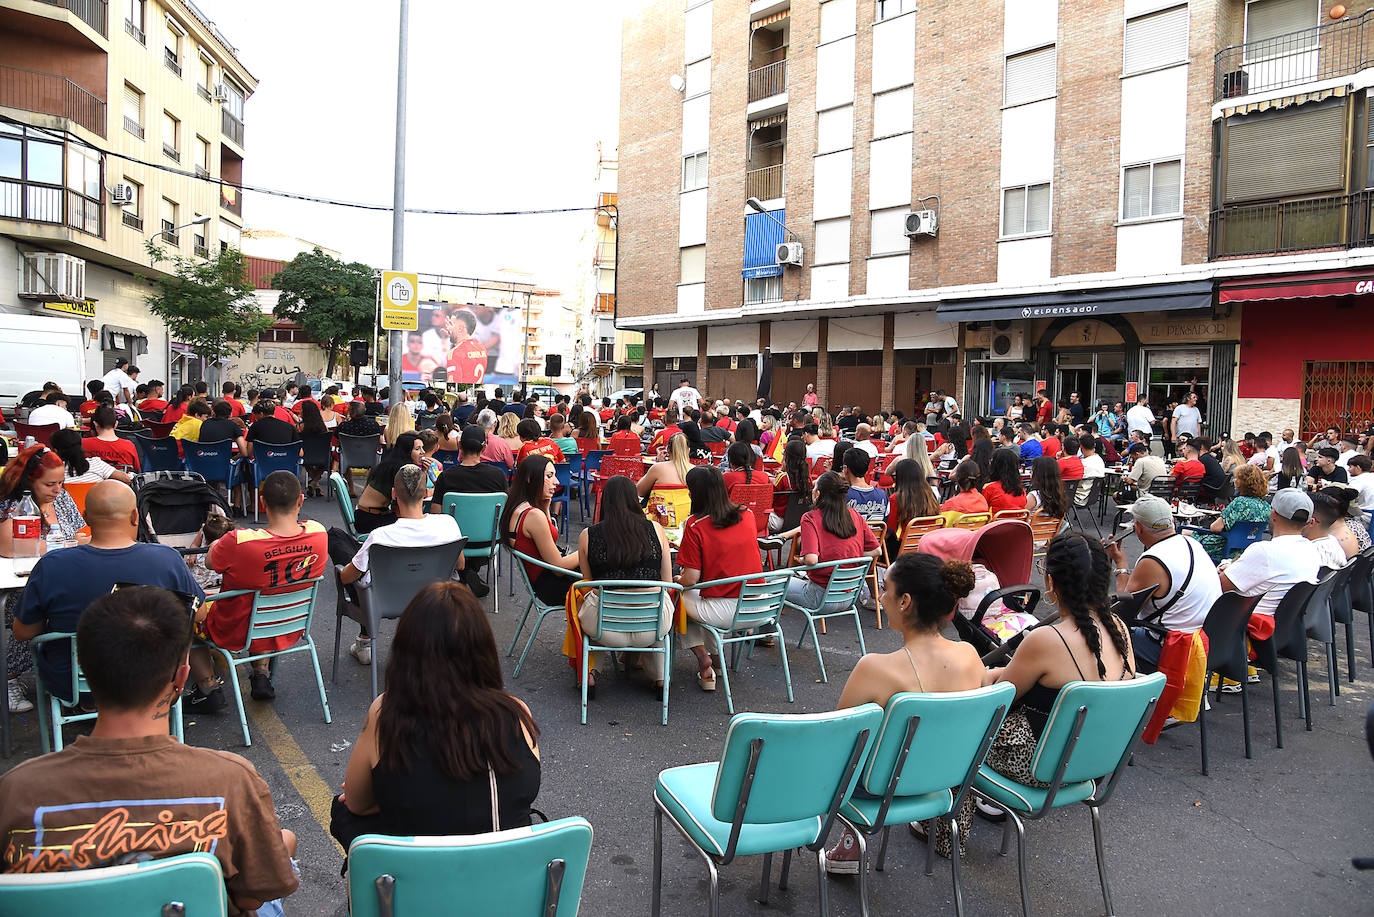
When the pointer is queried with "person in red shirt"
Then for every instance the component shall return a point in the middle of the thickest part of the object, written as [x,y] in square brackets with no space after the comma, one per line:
[302,397]
[657,411]
[670,427]
[967,500]
[176,408]
[1051,444]
[154,401]
[623,434]
[831,531]
[1070,465]
[467,361]
[95,387]
[105,445]
[606,412]
[719,540]
[236,408]
[1046,409]
[1004,491]
[269,560]
[1191,467]
[533,442]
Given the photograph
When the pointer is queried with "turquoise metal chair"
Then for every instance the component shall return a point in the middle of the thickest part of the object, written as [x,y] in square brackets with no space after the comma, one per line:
[927,752]
[521,872]
[842,591]
[535,605]
[778,785]
[277,615]
[759,605]
[191,883]
[51,717]
[476,515]
[1090,735]
[345,504]
[631,607]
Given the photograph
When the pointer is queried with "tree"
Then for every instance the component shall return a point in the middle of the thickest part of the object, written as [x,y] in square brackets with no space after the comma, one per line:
[207,304]
[334,302]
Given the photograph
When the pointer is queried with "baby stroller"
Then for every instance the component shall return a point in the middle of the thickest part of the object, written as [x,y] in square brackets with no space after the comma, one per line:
[173,507]
[1005,549]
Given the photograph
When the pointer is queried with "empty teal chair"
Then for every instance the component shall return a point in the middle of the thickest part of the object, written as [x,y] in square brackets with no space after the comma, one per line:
[1089,736]
[778,785]
[522,872]
[277,615]
[759,606]
[631,607]
[928,750]
[518,562]
[345,504]
[841,597]
[189,885]
[479,519]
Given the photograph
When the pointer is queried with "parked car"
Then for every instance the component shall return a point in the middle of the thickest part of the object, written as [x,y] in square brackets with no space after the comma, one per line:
[635,394]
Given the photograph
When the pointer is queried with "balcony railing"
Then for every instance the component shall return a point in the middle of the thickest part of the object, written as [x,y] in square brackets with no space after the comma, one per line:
[200,250]
[1275,227]
[204,93]
[171,238]
[169,57]
[767,81]
[1285,61]
[764,184]
[133,220]
[50,94]
[135,32]
[171,152]
[41,203]
[230,126]
[95,13]
[202,172]
[133,127]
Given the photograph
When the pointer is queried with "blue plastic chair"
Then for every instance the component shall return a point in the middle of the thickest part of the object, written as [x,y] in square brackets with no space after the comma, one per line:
[345,504]
[277,615]
[51,714]
[448,458]
[562,498]
[477,515]
[270,457]
[632,607]
[1089,736]
[778,785]
[212,461]
[536,871]
[518,561]
[757,613]
[191,883]
[575,479]
[1238,537]
[591,465]
[159,453]
[846,582]
[927,752]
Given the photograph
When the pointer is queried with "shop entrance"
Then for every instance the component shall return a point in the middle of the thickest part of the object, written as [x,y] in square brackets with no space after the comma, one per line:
[1171,374]
[670,371]
[1336,394]
[1097,377]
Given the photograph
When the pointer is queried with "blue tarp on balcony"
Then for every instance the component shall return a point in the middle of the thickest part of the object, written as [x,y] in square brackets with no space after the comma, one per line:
[761,238]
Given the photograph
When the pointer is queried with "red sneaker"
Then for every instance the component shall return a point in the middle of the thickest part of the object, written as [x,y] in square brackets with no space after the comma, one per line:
[843,858]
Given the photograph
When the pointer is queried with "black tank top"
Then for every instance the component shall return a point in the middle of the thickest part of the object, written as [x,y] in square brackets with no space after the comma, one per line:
[426,801]
[649,567]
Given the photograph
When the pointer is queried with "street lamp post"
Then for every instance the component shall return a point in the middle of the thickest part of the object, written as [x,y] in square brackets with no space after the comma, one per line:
[757,206]
[198,221]
[398,201]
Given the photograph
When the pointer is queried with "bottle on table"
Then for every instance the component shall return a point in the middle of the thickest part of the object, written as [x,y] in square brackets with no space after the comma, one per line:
[28,528]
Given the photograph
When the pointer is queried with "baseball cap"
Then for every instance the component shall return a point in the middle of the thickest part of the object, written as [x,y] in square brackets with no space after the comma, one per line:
[1153,513]
[474,439]
[1293,505]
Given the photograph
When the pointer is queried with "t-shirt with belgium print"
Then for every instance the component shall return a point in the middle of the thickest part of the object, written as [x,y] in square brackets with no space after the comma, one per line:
[259,560]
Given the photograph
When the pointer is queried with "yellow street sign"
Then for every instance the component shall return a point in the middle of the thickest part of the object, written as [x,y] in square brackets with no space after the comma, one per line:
[400,301]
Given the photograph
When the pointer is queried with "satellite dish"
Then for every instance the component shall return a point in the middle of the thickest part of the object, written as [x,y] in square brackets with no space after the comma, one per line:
[676,82]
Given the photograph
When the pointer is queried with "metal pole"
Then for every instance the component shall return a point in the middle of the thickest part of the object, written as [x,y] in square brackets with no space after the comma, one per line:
[525,352]
[396,339]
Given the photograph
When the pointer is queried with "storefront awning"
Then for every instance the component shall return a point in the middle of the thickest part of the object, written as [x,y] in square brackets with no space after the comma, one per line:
[117,337]
[1299,286]
[1162,297]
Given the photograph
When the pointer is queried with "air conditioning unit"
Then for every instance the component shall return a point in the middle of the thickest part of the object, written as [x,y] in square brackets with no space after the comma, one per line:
[1007,343]
[221,92]
[122,193]
[789,253]
[50,275]
[922,223]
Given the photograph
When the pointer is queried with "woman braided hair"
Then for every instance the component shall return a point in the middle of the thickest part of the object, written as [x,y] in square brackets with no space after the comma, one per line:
[1080,575]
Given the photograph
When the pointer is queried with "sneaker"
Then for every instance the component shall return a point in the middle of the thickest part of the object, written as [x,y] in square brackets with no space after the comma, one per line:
[1252,678]
[989,811]
[918,830]
[19,700]
[260,686]
[361,650]
[843,858]
[199,701]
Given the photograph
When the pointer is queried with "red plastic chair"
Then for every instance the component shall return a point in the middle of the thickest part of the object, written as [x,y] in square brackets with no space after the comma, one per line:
[159,429]
[819,466]
[588,445]
[611,466]
[755,497]
[717,449]
[41,434]
[626,448]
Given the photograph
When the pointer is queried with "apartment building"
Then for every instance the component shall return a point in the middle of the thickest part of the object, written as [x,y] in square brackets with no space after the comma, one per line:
[614,357]
[120,121]
[1108,198]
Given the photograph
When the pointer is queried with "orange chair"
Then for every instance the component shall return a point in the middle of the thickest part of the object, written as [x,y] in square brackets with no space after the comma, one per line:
[911,535]
[1043,530]
[880,531]
[1020,514]
[78,494]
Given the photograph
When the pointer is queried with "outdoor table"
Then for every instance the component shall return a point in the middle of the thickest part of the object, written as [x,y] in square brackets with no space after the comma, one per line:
[13,575]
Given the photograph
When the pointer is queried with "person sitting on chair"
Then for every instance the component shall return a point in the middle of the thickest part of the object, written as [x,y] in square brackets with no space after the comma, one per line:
[1270,568]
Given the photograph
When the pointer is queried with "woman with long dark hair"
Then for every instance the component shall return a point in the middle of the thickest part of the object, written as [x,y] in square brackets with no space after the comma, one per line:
[740,458]
[833,530]
[82,468]
[527,526]
[746,432]
[911,498]
[176,408]
[1004,491]
[967,499]
[374,508]
[624,545]
[1290,468]
[1046,494]
[719,540]
[795,478]
[445,745]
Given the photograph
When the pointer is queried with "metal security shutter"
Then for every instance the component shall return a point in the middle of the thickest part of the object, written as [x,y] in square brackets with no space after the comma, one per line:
[1221,384]
[1271,18]
[1280,155]
[1029,76]
[1157,40]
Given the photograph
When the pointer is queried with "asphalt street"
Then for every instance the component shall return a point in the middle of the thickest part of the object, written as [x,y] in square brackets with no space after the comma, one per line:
[1269,836]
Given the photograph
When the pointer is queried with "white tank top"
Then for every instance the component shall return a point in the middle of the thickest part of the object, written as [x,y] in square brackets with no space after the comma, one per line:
[1203,588]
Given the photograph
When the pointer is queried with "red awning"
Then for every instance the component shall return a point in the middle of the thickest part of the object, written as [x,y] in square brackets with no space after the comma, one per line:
[1299,286]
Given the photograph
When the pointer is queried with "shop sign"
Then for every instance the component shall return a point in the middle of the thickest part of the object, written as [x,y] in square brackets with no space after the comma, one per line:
[1132,392]
[84,309]
[1055,311]
[1041,386]
[1186,330]
[1178,359]
[676,363]
[734,361]
[796,361]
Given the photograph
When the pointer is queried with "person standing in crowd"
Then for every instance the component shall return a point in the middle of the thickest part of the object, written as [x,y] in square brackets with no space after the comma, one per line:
[810,399]
[1140,418]
[685,397]
[1187,419]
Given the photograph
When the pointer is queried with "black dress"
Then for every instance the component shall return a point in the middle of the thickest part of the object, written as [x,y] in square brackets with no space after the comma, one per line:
[649,567]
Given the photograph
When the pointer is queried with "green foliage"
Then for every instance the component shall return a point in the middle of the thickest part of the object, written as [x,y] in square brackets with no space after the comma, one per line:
[334,302]
[207,304]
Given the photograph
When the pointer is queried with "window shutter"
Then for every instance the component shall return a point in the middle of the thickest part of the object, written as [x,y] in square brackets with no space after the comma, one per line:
[1136,193]
[1038,208]
[1296,152]
[1029,76]
[133,103]
[1168,188]
[1157,40]
[1013,211]
[1270,18]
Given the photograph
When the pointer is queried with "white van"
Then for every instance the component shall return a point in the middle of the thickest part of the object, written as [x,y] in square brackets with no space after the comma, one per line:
[35,349]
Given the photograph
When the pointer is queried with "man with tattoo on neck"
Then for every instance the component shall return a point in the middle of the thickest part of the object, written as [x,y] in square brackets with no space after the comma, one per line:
[129,791]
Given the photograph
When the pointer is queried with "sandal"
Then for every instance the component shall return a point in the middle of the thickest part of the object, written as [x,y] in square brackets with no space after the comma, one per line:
[707,684]
[591,683]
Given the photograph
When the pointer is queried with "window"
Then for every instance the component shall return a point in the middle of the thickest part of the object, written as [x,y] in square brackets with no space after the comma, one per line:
[694,171]
[1369,147]
[1152,189]
[889,8]
[698,79]
[1283,154]
[1026,210]
[888,232]
[837,20]
[763,289]
[202,157]
[693,264]
[1029,76]
[1156,40]
[172,52]
[697,34]
[892,113]
[137,23]
[133,211]
[207,76]
[171,137]
[835,129]
[169,222]
[1269,19]
[133,111]
[198,241]
[234,103]
[831,242]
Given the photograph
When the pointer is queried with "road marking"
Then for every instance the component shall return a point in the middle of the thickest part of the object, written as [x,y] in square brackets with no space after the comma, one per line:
[308,783]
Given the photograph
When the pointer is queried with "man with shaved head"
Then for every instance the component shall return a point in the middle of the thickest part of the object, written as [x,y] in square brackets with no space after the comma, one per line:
[65,581]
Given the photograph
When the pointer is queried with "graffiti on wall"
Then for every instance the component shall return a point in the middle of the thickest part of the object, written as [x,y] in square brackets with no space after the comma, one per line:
[274,365]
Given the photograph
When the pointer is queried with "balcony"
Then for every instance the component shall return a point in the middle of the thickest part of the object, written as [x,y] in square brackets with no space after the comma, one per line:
[202,172]
[132,220]
[768,81]
[169,57]
[231,199]
[95,13]
[135,32]
[1283,62]
[171,152]
[1332,221]
[200,250]
[50,94]
[764,184]
[604,353]
[168,236]
[231,127]
[133,127]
